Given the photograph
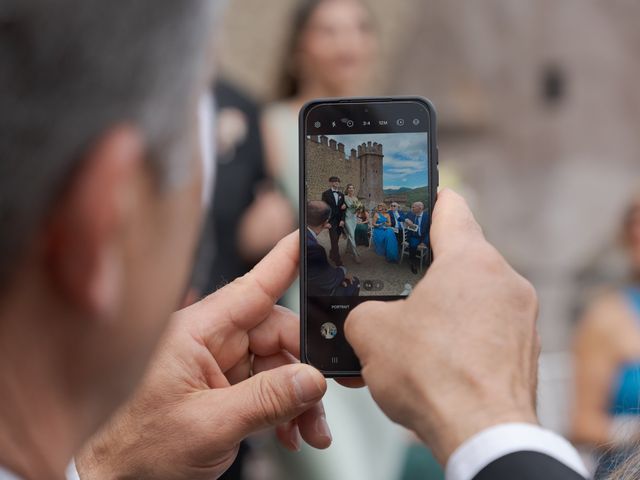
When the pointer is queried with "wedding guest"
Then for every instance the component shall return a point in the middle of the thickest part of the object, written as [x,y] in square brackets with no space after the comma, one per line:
[350,220]
[384,238]
[417,225]
[324,279]
[606,413]
[331,52]
[397,220]
[239,171]
[335,199]
[362,227]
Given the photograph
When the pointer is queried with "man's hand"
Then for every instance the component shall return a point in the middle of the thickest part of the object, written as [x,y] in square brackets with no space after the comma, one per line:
[460,353]
[200,399]
[341,224]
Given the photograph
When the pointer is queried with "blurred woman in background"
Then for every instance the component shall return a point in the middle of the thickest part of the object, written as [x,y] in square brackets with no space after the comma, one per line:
[606,414]
[330,54]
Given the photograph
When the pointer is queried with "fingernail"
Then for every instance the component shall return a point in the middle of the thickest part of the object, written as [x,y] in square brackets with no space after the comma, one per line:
[307,387]
[322,428]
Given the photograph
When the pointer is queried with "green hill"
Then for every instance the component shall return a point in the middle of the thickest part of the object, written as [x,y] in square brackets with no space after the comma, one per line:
[420,194]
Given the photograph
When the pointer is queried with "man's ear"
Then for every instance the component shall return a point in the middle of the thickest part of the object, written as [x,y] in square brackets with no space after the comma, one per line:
[84,237]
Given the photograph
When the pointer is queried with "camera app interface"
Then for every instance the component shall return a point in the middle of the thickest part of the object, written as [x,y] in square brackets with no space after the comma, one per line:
[367,213]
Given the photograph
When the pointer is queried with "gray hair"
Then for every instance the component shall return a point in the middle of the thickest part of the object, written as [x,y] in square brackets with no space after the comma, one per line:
[629,469]
[70,69]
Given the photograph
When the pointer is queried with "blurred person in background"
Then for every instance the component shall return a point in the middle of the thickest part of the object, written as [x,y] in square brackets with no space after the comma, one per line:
[238,176]
[330,53]
[226,250]
[606,413]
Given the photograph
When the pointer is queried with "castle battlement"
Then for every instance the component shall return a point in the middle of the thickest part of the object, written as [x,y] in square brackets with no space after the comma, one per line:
[370,149]
[332,144]
[362,167]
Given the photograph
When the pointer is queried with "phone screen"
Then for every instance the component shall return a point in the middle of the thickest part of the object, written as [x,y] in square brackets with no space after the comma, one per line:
[368,197]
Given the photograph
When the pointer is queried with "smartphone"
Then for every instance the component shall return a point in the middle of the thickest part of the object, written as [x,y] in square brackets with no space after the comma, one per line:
[368,183]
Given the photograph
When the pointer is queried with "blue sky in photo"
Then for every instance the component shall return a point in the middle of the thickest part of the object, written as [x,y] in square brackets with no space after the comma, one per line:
[405,156]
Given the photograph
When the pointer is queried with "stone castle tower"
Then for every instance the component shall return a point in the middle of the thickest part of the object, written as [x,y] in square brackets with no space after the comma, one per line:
[362,168]
[370,158]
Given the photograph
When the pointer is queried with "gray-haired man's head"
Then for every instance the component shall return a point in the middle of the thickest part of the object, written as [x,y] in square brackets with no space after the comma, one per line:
[100,187]
[70,70]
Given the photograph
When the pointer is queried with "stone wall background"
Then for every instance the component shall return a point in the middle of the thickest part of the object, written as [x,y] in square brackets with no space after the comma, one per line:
[324,162]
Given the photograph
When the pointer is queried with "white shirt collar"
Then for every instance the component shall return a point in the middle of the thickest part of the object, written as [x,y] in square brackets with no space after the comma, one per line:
[308,229]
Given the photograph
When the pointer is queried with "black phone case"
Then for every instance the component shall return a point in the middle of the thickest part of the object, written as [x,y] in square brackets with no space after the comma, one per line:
[433,175]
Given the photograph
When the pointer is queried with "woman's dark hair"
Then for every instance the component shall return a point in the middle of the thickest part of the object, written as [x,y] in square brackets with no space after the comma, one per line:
[289,83]
[289,80]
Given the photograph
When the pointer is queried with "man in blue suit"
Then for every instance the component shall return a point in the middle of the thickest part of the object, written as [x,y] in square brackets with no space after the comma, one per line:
[417,226]
[323,278]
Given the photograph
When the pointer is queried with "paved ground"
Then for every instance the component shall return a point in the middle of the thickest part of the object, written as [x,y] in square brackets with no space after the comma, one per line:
[394,277]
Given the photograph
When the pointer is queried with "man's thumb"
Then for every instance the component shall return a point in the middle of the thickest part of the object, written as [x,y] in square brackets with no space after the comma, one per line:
[274,396]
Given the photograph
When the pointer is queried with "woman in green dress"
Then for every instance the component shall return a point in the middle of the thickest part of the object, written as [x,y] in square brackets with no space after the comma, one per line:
[350,220]
[362,228]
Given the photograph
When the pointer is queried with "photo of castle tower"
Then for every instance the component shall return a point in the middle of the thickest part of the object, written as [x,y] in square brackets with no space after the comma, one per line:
[382,167]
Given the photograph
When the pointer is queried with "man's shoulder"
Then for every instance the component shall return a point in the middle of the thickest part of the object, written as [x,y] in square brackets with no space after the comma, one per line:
[311,239]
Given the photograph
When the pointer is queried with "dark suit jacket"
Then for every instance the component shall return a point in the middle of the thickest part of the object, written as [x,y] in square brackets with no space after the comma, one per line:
[322,277]
[337,213]
[423,234]
[527,466]
[401,217]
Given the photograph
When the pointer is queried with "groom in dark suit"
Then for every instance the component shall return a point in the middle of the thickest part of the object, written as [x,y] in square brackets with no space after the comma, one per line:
[417,227]
[335,199]
[323,279]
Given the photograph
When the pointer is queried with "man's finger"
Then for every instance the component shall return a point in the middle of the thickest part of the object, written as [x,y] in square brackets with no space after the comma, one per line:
[453,224]
[280,331]
[270,398]
[275,272]
[248,300]
[311,425]
[360,324]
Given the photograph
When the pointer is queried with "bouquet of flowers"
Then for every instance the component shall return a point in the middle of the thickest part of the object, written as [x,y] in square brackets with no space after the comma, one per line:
[355,206]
